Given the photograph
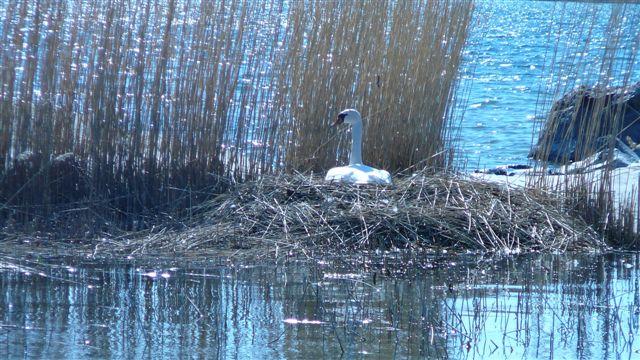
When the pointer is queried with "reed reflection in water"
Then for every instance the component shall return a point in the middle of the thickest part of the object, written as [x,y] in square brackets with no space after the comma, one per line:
[458,306]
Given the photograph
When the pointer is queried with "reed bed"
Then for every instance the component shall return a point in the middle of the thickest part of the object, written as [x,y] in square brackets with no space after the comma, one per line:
[298,214]
[158,100]
[587,73]
[587,62]
[397,63]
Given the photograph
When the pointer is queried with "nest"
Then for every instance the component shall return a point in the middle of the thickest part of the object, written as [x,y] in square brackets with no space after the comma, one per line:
[297,213]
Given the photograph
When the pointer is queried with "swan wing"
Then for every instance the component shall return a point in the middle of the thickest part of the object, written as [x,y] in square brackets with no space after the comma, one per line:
[371,175]
[359,174]
[342,173]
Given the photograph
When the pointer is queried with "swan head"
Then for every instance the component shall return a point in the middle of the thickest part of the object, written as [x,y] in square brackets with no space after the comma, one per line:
[348,116]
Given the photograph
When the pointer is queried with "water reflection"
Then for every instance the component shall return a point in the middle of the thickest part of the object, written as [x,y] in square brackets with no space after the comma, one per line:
[460,307]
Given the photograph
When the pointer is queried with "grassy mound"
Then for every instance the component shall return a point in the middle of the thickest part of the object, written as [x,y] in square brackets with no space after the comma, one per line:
[426,211]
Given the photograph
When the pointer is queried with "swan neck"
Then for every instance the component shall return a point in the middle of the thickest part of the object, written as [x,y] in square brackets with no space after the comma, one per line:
[356,144]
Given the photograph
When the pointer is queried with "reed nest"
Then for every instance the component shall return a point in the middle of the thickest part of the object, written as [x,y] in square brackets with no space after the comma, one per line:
[294,214]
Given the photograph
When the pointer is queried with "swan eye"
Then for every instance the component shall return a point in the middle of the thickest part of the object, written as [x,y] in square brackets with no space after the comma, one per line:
[340,119]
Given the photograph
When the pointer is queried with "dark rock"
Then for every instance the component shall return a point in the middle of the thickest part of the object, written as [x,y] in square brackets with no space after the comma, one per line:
[618,157]
[588,120]
[504,170]
[519,167]
[496,171]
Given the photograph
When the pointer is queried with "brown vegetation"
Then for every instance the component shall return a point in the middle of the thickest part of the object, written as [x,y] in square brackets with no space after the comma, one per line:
[426,211]
[158,101]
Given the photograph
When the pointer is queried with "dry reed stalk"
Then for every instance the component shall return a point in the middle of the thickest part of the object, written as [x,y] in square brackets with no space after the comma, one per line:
[427,211]
[140,92]
[159,99]
[397,62]
[591,195]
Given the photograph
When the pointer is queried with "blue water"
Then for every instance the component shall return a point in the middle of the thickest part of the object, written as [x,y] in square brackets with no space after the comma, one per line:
[458,307]
[511,76]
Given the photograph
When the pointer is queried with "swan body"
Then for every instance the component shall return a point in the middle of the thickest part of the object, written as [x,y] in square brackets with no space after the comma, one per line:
[356,172]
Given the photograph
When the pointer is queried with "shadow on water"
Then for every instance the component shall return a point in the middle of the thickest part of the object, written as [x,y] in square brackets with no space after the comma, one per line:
[531,306]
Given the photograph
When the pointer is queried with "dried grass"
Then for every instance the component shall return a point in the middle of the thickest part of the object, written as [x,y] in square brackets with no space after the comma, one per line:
[397,62]
[160,99]
[299,214]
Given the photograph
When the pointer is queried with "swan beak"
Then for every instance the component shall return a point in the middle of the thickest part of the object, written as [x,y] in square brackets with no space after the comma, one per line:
[339,120]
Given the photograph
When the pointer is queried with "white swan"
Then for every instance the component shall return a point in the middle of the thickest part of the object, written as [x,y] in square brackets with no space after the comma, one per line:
[356,172]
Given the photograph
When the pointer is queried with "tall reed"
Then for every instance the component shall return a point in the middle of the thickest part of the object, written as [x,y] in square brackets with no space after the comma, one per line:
[588,64]
[397,62]
[158,100]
